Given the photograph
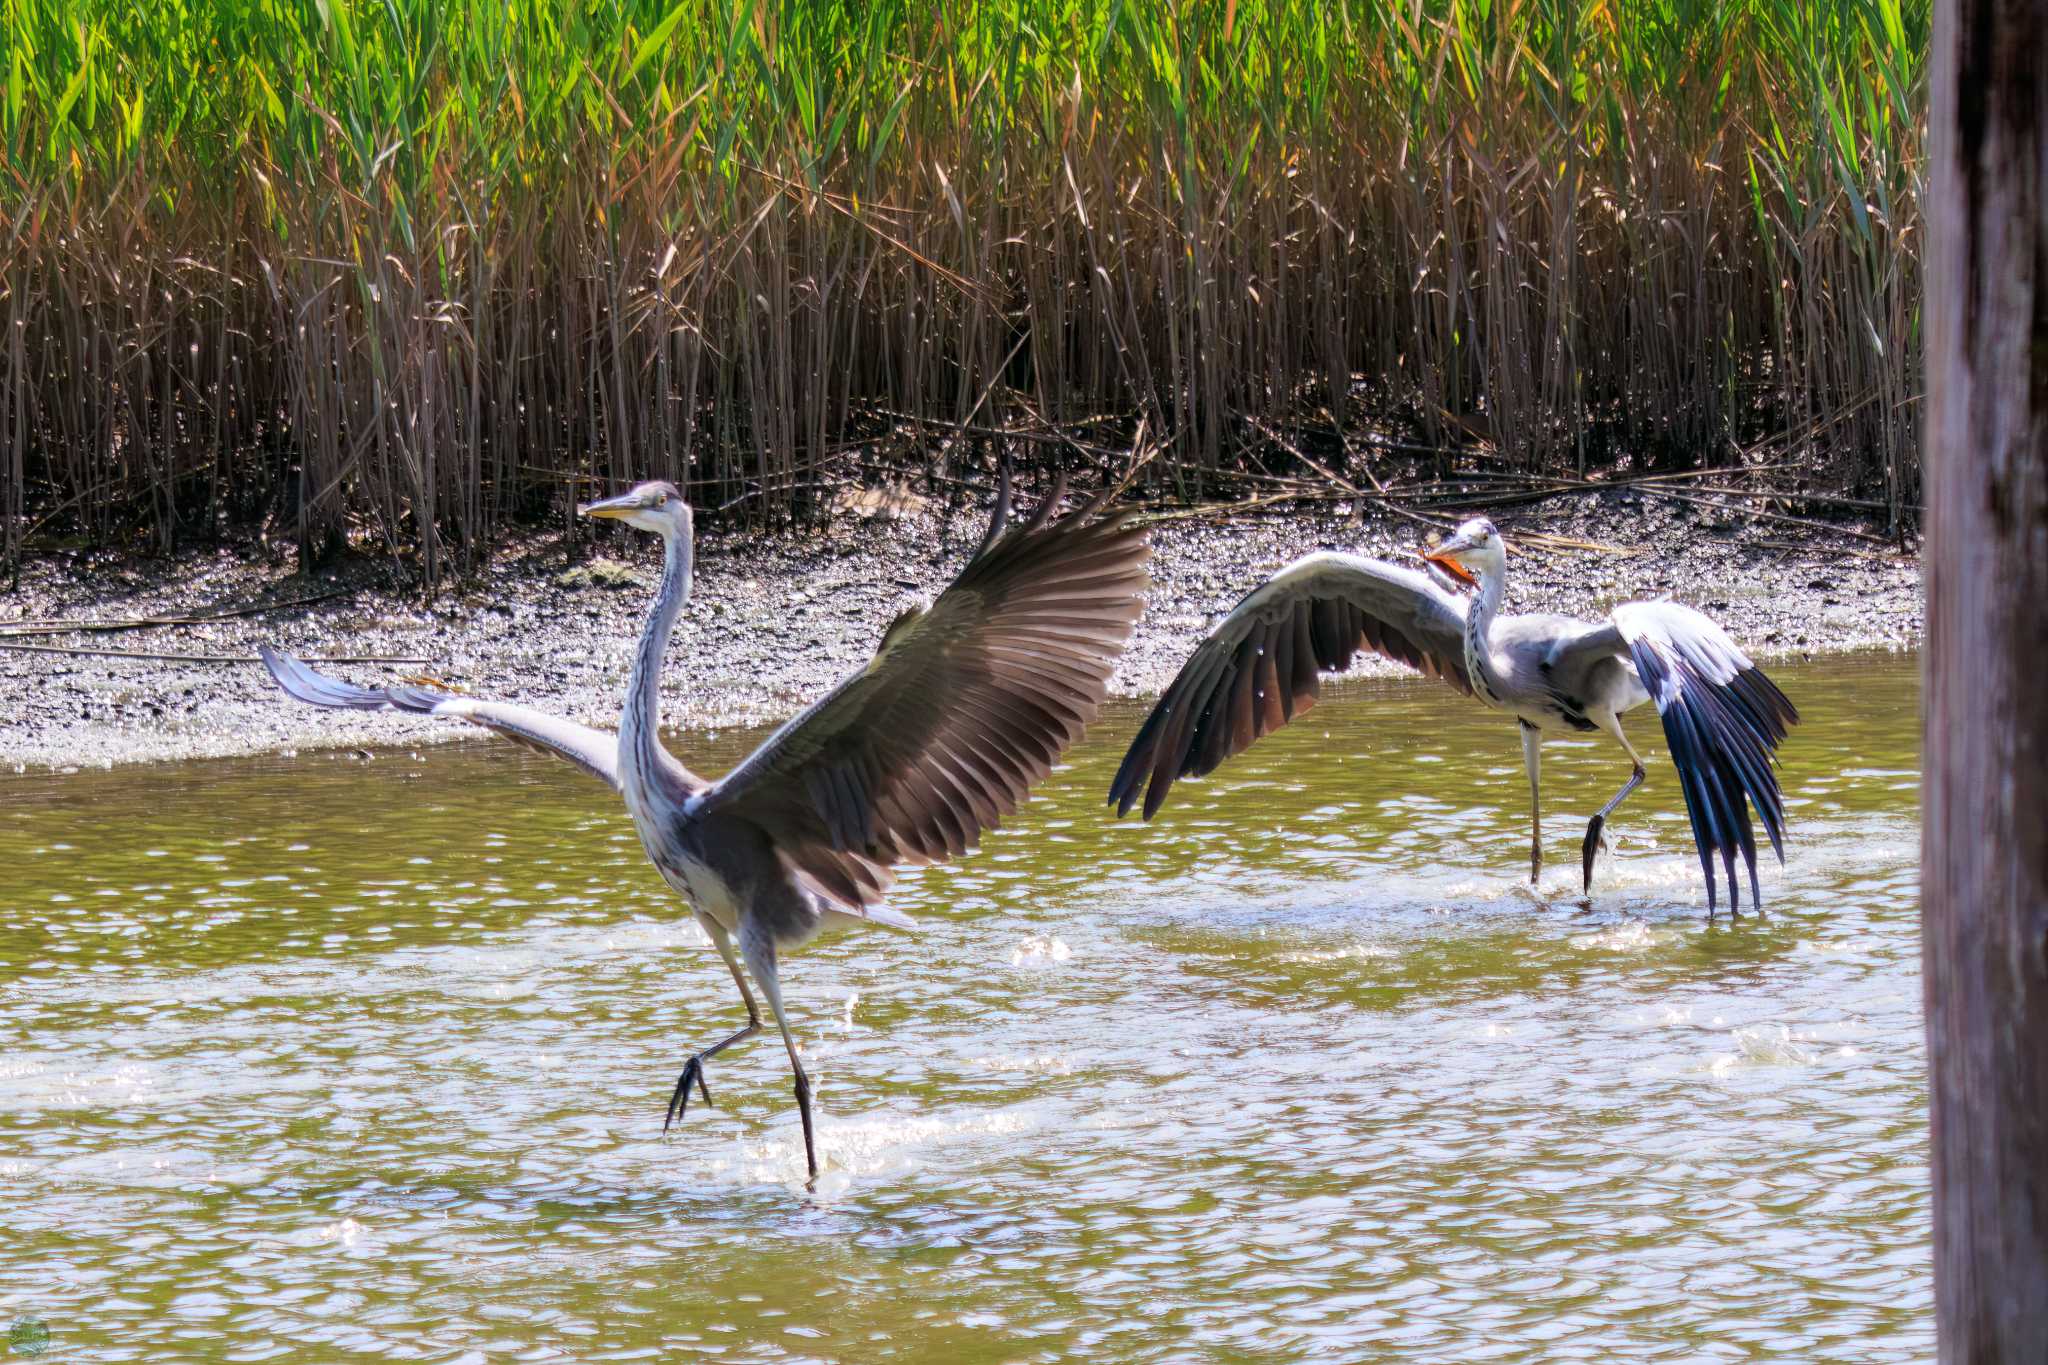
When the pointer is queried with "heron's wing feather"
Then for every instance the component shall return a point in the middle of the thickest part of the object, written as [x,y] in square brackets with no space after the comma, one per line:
[1723,720]
[1571,661]
[964,707]
[1262,664]
[594,751]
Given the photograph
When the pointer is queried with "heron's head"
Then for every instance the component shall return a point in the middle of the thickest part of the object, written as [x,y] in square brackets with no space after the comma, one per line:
[1473,549]
[658,506]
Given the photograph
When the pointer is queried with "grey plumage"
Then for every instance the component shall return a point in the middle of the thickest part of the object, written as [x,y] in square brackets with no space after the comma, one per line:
[594,751]
[965,706]
[1260,667]
[1263,663]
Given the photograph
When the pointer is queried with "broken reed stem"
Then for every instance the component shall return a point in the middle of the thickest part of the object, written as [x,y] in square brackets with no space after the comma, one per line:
[201,658]
[54,626]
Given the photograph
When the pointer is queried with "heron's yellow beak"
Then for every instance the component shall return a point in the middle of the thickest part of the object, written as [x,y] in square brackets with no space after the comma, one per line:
[623,505]
[1453,568]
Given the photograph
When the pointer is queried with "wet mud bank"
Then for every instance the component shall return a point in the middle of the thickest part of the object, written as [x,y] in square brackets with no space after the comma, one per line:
[777,620]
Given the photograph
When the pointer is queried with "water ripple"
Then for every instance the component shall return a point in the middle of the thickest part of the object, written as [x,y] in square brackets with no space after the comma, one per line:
[298,1061]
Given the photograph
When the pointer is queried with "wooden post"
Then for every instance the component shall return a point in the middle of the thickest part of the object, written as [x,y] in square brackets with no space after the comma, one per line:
[1984,851]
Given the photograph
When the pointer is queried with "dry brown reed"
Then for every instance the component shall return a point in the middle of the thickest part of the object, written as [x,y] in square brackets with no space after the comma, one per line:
[402,276]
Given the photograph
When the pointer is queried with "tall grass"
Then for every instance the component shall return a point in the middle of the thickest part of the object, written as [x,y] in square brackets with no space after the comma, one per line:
[401,271]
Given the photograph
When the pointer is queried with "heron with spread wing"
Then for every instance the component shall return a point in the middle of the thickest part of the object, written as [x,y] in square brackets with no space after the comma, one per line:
[966,705]
[1261,665]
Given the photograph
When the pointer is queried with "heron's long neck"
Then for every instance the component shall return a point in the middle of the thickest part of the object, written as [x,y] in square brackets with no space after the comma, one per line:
[640,725]
[1486,678]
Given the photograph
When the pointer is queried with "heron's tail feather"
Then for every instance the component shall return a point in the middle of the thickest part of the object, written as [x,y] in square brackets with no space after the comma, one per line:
[1723,720]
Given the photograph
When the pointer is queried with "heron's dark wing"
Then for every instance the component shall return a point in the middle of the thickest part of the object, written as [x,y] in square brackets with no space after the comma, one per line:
[1723,720]
[594,751]
[965,706]
[1261,665]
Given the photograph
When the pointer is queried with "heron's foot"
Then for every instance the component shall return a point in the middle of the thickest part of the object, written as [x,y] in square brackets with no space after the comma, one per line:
[1535,865]
[1594,846]
[679,1102]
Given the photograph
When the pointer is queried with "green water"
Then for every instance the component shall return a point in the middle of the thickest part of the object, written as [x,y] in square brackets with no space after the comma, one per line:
[327,1058]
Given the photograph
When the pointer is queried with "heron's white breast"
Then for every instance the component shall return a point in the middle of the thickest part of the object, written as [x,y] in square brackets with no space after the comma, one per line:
[707,892]
[704,889]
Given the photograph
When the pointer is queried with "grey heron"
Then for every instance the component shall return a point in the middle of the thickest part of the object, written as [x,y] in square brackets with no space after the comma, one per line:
[1261,664]
[965,706]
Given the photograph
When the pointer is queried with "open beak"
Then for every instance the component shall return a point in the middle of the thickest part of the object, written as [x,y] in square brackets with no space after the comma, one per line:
[1453,568]
[623,505]
[1441,557]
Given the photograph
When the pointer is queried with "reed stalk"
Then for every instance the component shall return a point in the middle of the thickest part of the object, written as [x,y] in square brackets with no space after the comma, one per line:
[399,274]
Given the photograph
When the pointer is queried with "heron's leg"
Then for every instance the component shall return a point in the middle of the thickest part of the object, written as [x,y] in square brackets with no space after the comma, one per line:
[1532,759]
[1594,843]
[760,952]
[693,1069]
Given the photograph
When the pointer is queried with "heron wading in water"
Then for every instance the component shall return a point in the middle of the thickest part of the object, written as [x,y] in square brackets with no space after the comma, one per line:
[965,706]
[1260,667]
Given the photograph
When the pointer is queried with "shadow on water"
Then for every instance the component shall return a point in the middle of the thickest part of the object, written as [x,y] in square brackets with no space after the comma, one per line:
[347,1057]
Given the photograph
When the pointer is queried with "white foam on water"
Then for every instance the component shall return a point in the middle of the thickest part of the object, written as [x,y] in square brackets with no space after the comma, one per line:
[858,1150]
[345,1234]
[1040,951]
[1034,1063]
[1356,952]
[1628,936]
[1762,1045]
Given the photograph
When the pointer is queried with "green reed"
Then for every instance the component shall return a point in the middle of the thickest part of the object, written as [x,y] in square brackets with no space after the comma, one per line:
[399,272]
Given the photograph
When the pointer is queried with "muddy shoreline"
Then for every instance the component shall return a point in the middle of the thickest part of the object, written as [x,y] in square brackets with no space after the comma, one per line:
[777,620]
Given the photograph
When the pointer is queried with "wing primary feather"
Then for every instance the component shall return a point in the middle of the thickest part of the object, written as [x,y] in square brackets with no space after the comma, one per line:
[594,751]
[1046,507]
[1261,665]
[1723,720]
[1000,517]
[970,705]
